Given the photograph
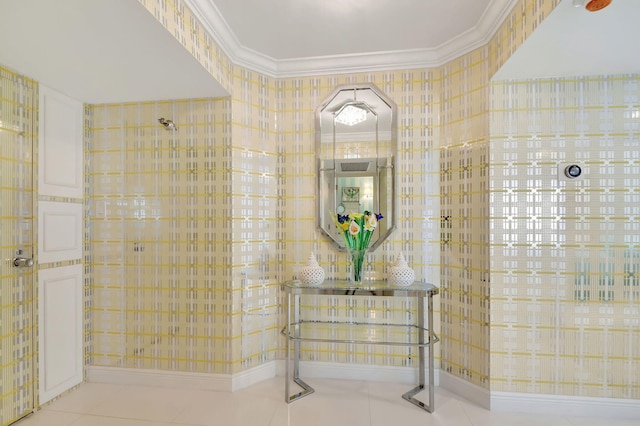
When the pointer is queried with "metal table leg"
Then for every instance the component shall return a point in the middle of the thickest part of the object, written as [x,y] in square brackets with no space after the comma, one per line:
[293,333]
[287,354]
[432,341]
[409,396]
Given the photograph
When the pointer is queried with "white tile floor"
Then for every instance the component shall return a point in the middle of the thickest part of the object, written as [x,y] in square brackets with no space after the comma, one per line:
[335,403]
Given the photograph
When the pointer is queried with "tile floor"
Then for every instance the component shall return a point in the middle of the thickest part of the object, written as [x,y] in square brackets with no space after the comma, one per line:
[335,403]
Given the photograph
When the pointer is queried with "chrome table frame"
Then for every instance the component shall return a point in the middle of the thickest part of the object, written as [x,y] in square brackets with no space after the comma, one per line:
[292,330]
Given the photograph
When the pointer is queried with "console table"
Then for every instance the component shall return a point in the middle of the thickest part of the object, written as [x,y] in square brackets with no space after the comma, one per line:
[417,335]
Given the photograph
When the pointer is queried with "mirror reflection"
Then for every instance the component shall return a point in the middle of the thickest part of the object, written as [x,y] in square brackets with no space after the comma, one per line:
[356,146]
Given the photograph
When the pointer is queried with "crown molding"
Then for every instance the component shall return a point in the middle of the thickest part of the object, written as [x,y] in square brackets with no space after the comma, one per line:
[476,37]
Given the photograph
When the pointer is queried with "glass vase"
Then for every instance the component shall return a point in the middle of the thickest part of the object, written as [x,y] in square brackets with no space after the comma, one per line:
[357,265]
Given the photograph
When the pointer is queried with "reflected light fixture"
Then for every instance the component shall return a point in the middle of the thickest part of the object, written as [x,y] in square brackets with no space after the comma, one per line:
[351,115]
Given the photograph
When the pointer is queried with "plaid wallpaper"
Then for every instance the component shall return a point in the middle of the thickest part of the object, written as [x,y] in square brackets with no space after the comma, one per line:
[449,229]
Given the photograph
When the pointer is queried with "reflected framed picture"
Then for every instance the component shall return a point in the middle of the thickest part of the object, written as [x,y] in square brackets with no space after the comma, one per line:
[351,193]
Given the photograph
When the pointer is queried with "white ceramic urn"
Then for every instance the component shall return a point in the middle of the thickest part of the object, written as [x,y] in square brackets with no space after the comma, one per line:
[400,274]
[312,273]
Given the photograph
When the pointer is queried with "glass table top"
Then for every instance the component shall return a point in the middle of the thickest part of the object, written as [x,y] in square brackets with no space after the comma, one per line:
[366,288]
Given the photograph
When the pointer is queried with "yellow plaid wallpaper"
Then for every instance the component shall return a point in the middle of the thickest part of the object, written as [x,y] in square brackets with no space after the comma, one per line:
[417,232]
[190,233]
[565,253]
[18,299]
[159,247]
[255,207]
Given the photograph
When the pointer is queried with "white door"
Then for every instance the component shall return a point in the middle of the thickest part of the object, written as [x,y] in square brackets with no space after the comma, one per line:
[60,178]
[17,350]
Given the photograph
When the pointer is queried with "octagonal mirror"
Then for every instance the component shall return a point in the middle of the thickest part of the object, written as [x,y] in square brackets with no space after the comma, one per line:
[356,147]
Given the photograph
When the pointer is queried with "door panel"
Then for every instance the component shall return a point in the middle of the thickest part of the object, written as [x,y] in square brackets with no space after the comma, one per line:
[18,109]
[60,330]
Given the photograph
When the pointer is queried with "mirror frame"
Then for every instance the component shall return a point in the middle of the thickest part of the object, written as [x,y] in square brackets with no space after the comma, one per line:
[388,162]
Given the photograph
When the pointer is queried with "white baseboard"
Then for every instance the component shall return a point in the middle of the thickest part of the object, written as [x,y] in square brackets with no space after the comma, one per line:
[233,382]
[254,375]
[496,401]
[177,379]
[467,390]
[541,404]
[566,405]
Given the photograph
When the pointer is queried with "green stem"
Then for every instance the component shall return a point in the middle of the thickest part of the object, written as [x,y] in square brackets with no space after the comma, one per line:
[357,262]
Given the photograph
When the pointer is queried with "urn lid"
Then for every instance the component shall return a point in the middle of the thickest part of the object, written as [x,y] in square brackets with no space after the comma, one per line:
[400,261]
[312,261]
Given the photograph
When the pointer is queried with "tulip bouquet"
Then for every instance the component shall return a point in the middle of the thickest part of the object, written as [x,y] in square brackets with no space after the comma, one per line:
[356,230]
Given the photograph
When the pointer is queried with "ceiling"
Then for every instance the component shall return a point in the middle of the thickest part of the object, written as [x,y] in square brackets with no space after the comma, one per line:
[303,28]
[105,51]
[572,41]
[310,37]
[99,51]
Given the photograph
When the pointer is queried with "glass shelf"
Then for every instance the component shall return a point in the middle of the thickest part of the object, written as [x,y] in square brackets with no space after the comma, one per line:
[358,333]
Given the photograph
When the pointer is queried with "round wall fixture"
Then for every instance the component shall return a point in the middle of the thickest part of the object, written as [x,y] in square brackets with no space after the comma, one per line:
[596,5]
[572,171]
